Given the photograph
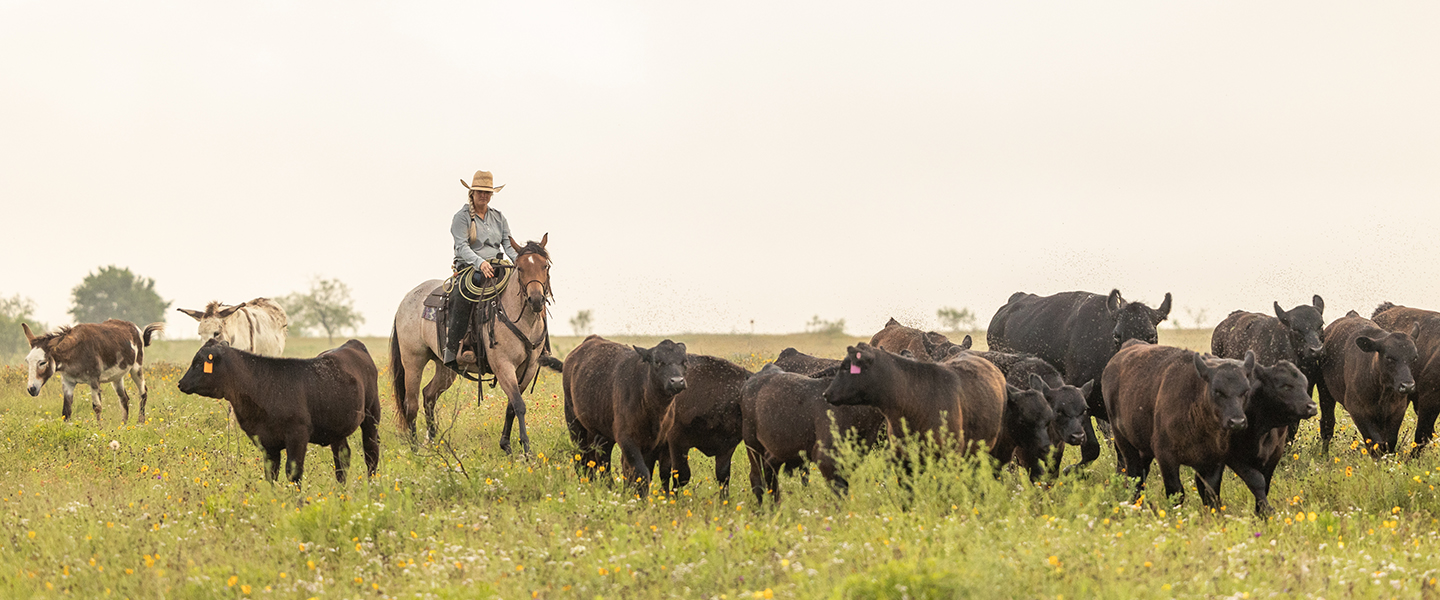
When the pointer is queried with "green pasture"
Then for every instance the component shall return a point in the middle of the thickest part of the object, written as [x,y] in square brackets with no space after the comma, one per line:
[177,508]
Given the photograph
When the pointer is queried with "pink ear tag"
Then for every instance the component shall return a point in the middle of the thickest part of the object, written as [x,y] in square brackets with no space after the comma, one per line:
[854,369]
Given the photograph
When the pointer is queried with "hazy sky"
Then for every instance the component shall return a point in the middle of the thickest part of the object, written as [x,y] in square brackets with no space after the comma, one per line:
[699,165]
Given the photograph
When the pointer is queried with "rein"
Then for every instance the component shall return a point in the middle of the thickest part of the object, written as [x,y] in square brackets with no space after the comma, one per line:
[530,345]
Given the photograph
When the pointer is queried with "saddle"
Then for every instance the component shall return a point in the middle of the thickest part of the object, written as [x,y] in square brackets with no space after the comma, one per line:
[471,355]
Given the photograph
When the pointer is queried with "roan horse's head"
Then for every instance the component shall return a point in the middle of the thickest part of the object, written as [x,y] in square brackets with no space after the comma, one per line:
[212,319]
[532,267]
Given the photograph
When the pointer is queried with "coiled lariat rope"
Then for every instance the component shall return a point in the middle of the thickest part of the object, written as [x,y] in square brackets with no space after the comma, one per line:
[464,281]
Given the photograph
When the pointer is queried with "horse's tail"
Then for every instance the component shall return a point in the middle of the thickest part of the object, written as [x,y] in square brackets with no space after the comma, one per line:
[554,364]
[397,372]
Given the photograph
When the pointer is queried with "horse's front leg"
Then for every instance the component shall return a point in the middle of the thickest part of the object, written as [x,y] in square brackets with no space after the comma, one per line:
[514,411]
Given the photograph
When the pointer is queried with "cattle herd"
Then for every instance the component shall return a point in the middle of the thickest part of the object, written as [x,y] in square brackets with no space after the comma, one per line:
[1053,363]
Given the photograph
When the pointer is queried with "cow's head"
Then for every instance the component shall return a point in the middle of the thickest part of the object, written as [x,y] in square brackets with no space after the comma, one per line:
[855,377]
[207,369]
[39,365]
[1028,416]
[667,364]
[212,320]
[1396,354]
[1305,324]
[1070,408]
[1230,387]
[532,267]
[1284,391]
[1134,320]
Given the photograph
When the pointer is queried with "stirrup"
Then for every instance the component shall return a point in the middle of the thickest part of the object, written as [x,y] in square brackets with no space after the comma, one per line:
[453,366]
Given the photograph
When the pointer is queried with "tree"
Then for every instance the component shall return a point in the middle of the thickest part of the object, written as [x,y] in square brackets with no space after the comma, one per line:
[14,311]
[818,325]
[580,323]
[956,320]
[116,293]
[327,307]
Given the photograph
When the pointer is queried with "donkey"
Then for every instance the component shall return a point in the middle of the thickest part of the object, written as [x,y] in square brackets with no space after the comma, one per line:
[515,357]
[257,326]
[91,353]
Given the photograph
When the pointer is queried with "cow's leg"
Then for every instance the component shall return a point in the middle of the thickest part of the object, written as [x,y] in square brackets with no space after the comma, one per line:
[138,376]
[633,465]
[370,435]
[272,463]
[341,450]
[838,484]
[1134,465]
[1057,457]
[772,479]
[756,457]
[603,448]
[1207,481]
[1174,486]
[1427,409]
[295,447]
[95,398]
[119,386]
[677,470]
[1327,417]
[1089,449]
[67,391]
[723,461]
[1259,485]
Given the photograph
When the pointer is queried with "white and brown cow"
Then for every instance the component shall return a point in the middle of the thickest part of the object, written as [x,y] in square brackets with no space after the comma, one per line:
[91,353]
[257,326]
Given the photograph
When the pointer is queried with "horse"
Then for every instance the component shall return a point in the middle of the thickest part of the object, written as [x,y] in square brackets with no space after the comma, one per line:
[515,358]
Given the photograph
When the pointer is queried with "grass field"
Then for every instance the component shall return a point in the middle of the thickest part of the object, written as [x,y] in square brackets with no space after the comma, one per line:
[178,508]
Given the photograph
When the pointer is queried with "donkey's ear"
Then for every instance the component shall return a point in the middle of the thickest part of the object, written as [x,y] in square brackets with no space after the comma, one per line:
[230,311]
[29,337]
[544,239]
[515,245]
[194,314]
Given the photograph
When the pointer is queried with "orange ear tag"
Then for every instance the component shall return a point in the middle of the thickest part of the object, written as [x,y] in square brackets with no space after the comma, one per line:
[209,366]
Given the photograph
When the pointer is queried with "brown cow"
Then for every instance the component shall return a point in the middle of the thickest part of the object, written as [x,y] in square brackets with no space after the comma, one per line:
[705,416]
[788,421]
[1368,370]
[982,399]
[1426,397]
[1175,407]
[794,361]
[91,353]
[920,398]
[1280,400]
[923,345]
[1066,401]
[619,394]
[289,403]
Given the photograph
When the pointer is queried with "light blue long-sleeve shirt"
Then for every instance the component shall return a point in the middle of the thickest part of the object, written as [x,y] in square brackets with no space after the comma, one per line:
[492,237]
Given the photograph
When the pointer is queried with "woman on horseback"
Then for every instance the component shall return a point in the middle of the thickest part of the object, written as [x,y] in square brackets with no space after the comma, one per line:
[481,240]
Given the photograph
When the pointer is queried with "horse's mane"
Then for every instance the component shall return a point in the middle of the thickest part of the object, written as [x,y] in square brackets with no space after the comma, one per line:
[534,247]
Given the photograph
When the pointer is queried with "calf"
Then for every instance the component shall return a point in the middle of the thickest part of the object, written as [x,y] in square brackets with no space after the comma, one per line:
[788,421]
[1025,427]
[1067,402]
[1426,397]
[1368,370]
[705,416]
[91,353]
[1077,332]
[1280,399]
[794,361]
[924,345]
[919,398]
[1176,407]
[1293,335]
[619,394]
[288,403]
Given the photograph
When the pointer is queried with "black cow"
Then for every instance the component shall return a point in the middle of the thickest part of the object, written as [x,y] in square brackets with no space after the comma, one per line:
[289,403]
[705,416]
[1293,335]
[1077,332]
[788,421]
[1067,402]
[795,361]
[1426,398]
[1369,371]
[1175,407]
[1281,399]
[619,394]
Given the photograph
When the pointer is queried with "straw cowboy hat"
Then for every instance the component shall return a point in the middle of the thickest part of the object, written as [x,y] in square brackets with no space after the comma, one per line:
[483,181]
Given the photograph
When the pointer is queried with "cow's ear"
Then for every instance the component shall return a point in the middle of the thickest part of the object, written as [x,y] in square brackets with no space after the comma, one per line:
[1415,331]
[681,345]
[1367,344]
[966,343]
[1037,383]
[1085,389]
[1249,361]
[892,321]
[1114,303]
[643,352]
[1011,392]
[1202,368]
[1280,314]
[1318,303]
[194,314]
[1163,312]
